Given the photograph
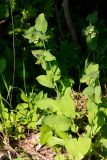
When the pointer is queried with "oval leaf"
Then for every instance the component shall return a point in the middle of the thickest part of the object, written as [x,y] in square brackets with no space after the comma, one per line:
[45,81]
[52,141]
[67,106]
[84,144]
[59,123]
[41,23]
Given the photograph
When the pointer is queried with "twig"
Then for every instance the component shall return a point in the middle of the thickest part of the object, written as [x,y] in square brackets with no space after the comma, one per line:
[3,21]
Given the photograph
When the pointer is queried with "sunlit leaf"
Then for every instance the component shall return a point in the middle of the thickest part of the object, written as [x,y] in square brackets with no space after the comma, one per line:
[59,123]
[66,106]
[78,148]
[59,157]
[41,23]
[92,111]
[44,136]
[45,81]
[24,97]
[103,141]
[84,144]
[52,141]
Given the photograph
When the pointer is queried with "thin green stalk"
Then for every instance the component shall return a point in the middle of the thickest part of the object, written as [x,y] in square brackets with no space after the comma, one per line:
[24,77]
[14,51]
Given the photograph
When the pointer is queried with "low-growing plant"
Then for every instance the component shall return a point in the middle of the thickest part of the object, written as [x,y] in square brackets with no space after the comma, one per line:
[59,123]
[59,126]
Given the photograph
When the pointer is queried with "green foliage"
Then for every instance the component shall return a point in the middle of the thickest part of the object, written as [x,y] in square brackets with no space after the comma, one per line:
[53,112]
[77,148]
[60,113]
[60,156]
[2,65]
[4,9]
[91,34]
[58,123]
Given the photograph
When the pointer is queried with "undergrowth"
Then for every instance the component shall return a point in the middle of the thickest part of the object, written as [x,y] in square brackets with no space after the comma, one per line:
[81,133]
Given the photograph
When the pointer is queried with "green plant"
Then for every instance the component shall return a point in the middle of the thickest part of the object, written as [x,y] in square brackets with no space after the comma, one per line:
[60,125]
[59,113]
[60,118]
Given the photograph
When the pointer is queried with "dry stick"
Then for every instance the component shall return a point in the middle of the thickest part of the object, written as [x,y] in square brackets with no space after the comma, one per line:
[69,21]
[1,22]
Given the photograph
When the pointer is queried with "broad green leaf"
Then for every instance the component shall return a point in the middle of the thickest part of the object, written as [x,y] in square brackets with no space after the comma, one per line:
[33,97]
[36,37]
[2,65]
[38,53]
[91,68]
[59,157]
[89,91]
[45,128]
[92,111]
[78,148]
[97,122]
[33,35]
[22,106]
[39,122]
[52,141]
[97,96]
[84,144]
[45,103]
[8,124]
[48,103]
[45,54]
[62,135]
[74,127]
[30,32]
[66,106]
[41,23]
[31,125]
[71,146]
[24,97]
[103,142]
[44,64]
[12,117]
[5,113]
[45,136]
[45,81]
[85,79]
[89,78]
[53,71]
[94,128]
[91,73]
[58,123]
[48,56]
[65,86]
[34,116]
